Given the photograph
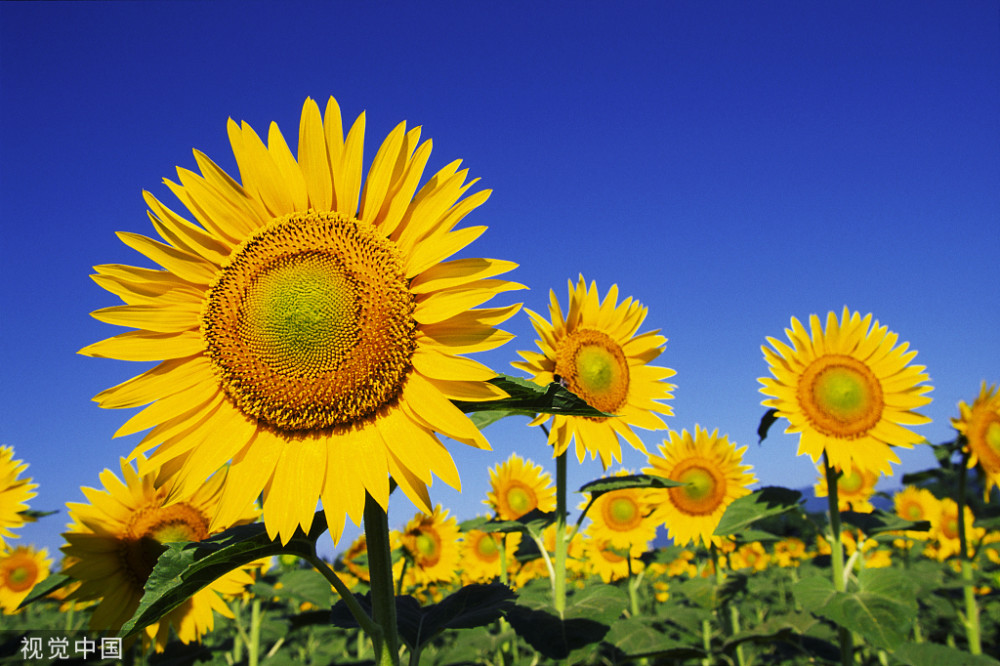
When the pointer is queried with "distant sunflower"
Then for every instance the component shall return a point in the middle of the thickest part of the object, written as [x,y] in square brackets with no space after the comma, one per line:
[609,562]
[854,489]
[980,424]
[596,353]
[622,517]
[944,531]
[917,504]
[518,487]
[788,551]
[711,469]
[356,559]
[481,554]
[14,493]
[114,541]
[849,390]
[432,540]
[20,570]
[309,326]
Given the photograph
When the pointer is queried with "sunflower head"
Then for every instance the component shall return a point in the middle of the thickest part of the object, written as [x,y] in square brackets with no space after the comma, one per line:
[849,390]
[595,350]
[854,489]
[310,323]
[518,487]
[432,541]
[917,504]
[713,476]
[21,569]
[481,555]
[622,517]
[14,493]
[979,423]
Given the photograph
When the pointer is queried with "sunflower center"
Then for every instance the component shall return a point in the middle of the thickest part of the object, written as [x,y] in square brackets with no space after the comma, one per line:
[992,438]
[850,483]
[428,548]
[487,549]
[949,527]
[621,513]
[594,367]
[148,529]
[22,576]
[841,396]
[310,323]
[914,512]
[703,491]
[520,499]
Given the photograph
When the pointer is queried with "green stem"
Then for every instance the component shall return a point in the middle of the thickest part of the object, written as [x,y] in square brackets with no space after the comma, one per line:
[734,613]
[971,607]
[380,569]
[357,612]
[837,556]
[253,646]
[559,588]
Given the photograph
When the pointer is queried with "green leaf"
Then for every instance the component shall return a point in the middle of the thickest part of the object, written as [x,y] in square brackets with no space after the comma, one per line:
[933,654]
[640,638]
[532,522]
[529,399]
[46,587]
[590,612]
[305,585]
[881,611]
[31,515]
[766,421]
[766,502]
[879,521]
[186,567]
[601,486]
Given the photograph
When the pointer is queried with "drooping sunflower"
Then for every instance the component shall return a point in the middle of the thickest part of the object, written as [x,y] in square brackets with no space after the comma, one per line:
[854,489]
[711,469]
[21,569]
[980,424]
[114,541]
[433,541]
[598,354]
[14,493]
[622,517]
[481,555]
[519,486]
[849,390]
[309,327]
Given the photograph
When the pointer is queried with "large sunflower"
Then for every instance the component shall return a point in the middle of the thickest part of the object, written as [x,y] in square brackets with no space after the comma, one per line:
[14,493]
[980,424]
[113,544]
[20,570]
[596,353]
[711,469]
[849,390]
[519,486]
[309,327]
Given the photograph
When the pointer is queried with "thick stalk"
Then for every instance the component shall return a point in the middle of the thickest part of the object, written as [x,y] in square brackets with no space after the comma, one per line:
[253,646]
[559,588]
[380,569]
[971,607]
[837,556]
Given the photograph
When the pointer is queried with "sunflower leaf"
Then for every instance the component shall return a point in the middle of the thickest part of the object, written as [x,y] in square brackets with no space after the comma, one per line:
[532,522]
[766,421]
[882,521]
[46,587]
[600,486]
[528,399]
[743,512]
[184,568]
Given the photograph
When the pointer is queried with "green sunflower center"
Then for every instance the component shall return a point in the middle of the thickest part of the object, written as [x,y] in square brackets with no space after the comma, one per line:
[914,512]
[427,547]
[149,528]
[704,488]
[841,396]
[992,436]
[22,576]
[850,483]
[621,513]
[594,367]
[487,548]
[520,499]
[310,323]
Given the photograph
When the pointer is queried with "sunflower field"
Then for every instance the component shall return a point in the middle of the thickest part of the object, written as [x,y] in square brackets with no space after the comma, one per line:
[311,329]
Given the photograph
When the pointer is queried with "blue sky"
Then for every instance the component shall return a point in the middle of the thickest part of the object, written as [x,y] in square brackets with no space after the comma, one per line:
[729,164]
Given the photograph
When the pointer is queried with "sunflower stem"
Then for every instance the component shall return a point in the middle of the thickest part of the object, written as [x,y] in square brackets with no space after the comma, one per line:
[837,556]
[559,588]
[383,593]
[969,591]
[253,645]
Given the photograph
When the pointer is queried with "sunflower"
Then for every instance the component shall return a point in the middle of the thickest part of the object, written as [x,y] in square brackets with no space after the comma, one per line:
[432,541]
[596,353]
[849,390]
[854,489]
[518,487]
[311,337]
[916,504]
[944,531]
[609,562]
[115,540]
[622,517]
[788,551]
[980,424]
[356,559]
[20,569]
[14,493]
[481,554]
[711,469]
[750,556]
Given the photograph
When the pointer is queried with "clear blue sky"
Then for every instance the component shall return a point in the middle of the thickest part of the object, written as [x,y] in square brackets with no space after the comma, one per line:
[729,164]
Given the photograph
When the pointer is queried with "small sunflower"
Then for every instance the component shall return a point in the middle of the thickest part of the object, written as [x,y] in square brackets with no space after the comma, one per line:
[432,540]
[622,517]
[114,541]
[481,554]
[518,487]
[596,353]
[610,563]
[309,327]
[917,504]
[944,531]
[711,469]
[750,556]
[356,559]
[20,570]
[848,390]
[854,489]
[789,551]
[14,493]
[980,424]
